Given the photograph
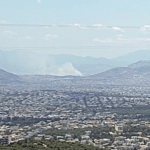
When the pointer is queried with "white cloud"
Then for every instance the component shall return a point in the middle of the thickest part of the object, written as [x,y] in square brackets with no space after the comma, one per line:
[68,69]
[74,25]
[50,36]
[98,26]
[117,29]
[145,28]
[108,40]
[123,40]
[77,25]
[39,1]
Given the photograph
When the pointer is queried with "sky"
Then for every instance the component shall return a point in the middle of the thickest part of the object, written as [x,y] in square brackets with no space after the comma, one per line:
[97,28]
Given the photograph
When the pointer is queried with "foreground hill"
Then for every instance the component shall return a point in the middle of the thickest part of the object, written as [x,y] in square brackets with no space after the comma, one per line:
[141,65]
[47,145]
[139,69]
[8,77]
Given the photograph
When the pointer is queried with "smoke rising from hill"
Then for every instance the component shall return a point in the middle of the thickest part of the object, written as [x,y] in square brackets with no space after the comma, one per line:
[68,69]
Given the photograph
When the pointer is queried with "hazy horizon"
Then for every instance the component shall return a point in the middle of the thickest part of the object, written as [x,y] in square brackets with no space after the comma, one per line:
[88,28]
[84,56]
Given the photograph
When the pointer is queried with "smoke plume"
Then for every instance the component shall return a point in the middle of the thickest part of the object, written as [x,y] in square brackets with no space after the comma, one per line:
[68,69]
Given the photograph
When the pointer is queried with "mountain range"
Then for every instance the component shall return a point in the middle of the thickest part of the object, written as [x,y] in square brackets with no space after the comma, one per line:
[134,57]
[31,63]
[140,69]
[136,71]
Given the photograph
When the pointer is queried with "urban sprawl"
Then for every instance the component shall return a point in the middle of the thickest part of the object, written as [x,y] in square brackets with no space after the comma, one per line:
[106,116]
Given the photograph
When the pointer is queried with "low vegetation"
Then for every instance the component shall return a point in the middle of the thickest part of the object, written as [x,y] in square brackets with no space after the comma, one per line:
[48,145]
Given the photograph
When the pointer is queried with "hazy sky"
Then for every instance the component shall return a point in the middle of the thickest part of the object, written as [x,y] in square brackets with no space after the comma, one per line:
[85,31]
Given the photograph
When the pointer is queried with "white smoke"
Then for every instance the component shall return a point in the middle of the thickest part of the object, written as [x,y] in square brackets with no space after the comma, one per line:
[42,64]
[68,69]
[39,64]
[31,63]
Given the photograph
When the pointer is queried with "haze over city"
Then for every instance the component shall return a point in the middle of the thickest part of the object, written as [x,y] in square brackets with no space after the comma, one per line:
[74,75]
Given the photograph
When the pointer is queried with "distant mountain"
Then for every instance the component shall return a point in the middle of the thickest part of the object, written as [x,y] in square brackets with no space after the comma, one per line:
[86,65]
[8,77]
[139,72]
[138,69]
[119,72]
[140,64]
[31,63]
[134,57]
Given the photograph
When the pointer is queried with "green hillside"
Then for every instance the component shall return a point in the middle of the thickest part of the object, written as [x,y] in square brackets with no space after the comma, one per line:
[47,145]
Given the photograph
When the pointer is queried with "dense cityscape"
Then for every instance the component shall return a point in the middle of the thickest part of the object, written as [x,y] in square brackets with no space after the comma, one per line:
[74,75]
[105,116]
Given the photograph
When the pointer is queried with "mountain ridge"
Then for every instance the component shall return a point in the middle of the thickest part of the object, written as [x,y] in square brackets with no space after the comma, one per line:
[8,77]
[140,68]
[29,63]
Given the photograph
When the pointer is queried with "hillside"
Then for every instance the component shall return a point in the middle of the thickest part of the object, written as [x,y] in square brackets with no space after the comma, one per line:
[119,72]
[140,64]
[8,77]
[141,68]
